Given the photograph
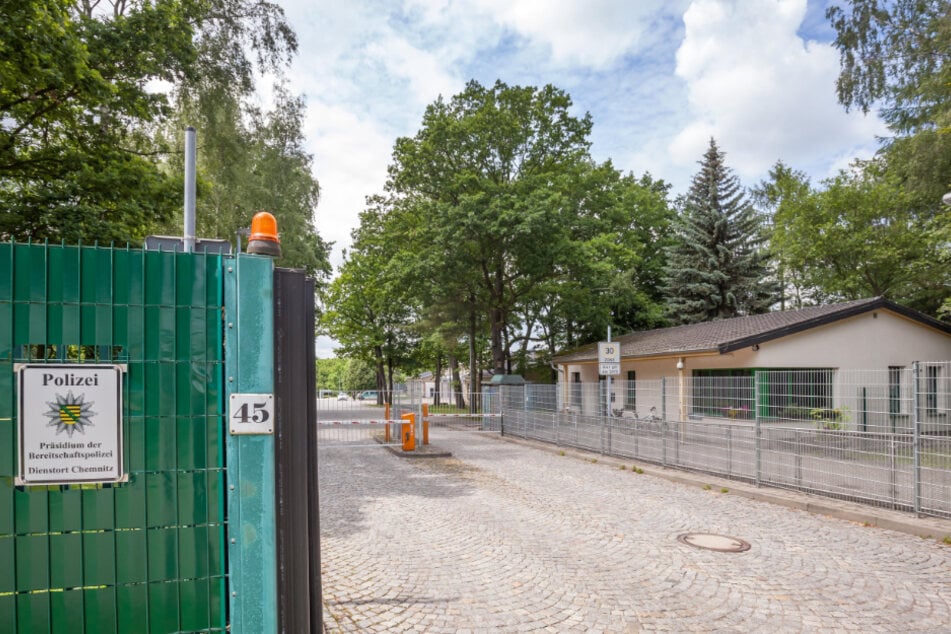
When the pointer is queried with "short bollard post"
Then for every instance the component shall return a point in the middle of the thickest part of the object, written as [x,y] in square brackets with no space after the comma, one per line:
[409,432]
[425,423]
[386,431]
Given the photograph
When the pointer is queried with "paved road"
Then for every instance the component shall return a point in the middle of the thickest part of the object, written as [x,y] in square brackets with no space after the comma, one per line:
[504,537]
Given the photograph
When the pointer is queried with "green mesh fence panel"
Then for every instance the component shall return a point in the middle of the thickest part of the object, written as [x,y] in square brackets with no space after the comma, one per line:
[145,556]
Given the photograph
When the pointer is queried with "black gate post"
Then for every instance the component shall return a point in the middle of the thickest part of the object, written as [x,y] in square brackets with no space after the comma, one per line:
[300,607]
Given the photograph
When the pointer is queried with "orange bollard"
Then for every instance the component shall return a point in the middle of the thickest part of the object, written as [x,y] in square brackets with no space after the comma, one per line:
[425,423]
[386,424]
[409,432]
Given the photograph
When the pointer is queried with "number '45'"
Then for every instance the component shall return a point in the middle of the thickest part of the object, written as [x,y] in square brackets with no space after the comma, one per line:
[252,413]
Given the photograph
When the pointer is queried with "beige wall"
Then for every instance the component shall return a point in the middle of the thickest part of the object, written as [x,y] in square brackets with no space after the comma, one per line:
[865,342]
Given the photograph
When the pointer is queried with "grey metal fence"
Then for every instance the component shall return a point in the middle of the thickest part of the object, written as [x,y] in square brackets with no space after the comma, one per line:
[876,437]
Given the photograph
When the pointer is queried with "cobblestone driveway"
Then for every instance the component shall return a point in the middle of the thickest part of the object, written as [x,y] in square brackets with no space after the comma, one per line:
[504,537]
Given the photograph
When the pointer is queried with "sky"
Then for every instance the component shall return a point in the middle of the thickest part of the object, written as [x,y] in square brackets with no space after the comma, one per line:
[659,78]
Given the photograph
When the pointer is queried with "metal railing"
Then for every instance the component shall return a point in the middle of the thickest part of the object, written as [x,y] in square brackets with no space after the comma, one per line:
[877,437]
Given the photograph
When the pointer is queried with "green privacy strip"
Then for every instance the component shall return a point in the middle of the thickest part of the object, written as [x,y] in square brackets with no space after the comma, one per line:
[145,555]
[252,556]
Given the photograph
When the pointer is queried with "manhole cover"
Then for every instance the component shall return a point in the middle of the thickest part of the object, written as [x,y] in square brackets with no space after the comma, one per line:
[709,541]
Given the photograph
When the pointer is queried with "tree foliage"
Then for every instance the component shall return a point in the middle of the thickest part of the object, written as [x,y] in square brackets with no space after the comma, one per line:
[251,160]
[368,311]
[502,234]
[88,91]
[894,56]
[75,160]
[895,53]
[859,235]
[504,202]
[717,267]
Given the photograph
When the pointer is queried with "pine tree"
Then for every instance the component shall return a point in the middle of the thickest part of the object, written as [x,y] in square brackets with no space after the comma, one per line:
[717,268]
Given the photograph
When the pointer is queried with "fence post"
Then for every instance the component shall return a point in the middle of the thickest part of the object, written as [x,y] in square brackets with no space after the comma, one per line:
[663,420]
[601,396]
[916,431]
[759,432]
[893,470]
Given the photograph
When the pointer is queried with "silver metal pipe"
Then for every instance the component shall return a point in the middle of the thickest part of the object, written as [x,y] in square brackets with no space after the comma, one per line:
[190,168]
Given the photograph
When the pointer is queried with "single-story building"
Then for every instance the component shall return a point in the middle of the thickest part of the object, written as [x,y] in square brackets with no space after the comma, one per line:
[850,365]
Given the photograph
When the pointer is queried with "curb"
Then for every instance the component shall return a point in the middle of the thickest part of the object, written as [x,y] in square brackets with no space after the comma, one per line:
[899,521]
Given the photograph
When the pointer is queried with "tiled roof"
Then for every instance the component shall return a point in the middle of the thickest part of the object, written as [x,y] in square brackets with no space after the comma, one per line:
[731,334]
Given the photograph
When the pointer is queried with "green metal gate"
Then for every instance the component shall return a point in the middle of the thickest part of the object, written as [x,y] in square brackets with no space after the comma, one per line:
[147,555]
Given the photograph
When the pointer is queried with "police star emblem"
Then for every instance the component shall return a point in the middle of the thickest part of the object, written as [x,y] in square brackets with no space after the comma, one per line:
[70,414]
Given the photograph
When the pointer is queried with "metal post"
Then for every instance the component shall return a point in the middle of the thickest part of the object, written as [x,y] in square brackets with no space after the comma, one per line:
[190,166]
[663,420]
[729,451]
[759,431]
[893,471]
[663,398]
[600,384]
[916,431]
[609,380]
[798,449]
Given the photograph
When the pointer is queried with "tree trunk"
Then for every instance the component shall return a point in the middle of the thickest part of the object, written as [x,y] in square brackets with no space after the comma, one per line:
[473,369]
[455,382]
[389,368]
[382,392]
[438,376]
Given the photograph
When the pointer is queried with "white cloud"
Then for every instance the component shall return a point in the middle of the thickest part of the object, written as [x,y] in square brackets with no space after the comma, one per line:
[352,155]
[368,68]
[591,33]
[763,92]
[423,70]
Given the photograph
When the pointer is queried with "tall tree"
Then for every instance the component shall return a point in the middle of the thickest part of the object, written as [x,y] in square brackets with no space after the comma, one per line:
[895,56]
[495,167]
[84,86]
[75,159]
[251,160]
[718,267]
[368,310]
[782,198]
[858,237]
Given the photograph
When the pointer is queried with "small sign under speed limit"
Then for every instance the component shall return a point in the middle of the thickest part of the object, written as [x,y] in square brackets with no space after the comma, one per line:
[251,414]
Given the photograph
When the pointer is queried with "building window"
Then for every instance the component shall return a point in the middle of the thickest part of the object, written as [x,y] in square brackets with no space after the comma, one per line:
[797,394]
[932,372]
[894,389]
[575,394]
[784,394]
[630,393]
[726,393]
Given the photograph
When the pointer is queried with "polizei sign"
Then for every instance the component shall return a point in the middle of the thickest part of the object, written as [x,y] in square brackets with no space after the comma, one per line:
[70,423]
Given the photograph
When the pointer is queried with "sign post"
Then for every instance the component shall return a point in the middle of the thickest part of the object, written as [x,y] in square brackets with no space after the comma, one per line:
[609,364]
[70,423]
